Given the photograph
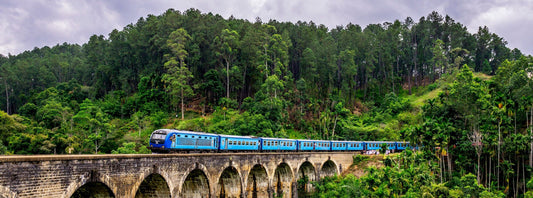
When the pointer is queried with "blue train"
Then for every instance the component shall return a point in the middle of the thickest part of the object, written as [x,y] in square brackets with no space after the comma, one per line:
[170,140]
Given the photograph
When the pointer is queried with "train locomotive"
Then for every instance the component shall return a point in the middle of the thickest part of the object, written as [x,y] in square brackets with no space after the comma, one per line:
[170,140]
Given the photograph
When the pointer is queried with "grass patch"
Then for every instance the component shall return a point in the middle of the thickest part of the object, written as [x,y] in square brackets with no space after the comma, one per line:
[419,101]
[358,159]
[482,76]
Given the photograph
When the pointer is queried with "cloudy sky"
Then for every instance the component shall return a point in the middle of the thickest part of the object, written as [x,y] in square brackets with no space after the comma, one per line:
[36,23]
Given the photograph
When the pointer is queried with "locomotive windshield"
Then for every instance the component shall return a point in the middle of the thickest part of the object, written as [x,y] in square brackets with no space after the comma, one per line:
[158,137]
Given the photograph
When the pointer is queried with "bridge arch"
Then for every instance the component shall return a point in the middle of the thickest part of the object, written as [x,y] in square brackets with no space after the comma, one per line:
[229,183]
[154,185]
[196,185]
[282,180]
[328,169]
[91,184]
[93,189]
[257,184]
[306,174]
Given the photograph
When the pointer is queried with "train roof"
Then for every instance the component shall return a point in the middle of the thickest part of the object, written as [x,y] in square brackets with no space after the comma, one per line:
[187,132]
[267,138]
[238,136]
[379,141]
[346,141]
[314,140]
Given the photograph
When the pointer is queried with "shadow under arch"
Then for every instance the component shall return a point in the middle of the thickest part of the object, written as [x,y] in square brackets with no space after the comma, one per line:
[229,183]
[282,180]
[154,185]
[257,182]
[306,174]
[93,190]
[329,168]
[92,180]
[196,185]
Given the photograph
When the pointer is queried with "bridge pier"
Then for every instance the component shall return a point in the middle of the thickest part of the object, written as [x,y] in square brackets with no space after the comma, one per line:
[167,175]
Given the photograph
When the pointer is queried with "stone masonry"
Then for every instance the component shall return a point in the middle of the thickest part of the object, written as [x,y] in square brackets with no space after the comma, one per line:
[166,175]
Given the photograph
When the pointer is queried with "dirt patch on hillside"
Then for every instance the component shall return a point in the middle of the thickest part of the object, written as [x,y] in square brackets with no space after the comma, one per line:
[364,161]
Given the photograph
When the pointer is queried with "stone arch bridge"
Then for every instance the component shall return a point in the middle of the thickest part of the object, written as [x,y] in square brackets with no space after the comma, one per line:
[167,175]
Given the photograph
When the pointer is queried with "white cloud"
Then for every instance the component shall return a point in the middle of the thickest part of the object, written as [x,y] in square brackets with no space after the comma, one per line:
[511,20]
[26,24]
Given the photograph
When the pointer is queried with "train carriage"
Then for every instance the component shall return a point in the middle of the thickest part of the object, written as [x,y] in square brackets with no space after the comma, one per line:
[314,145]
[355,146]
[239,143]
[376,145]
[347,145]
[402,146]
[278,144]
[339,145]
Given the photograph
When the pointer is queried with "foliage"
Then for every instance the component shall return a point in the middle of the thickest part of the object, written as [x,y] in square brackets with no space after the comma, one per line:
[407,177]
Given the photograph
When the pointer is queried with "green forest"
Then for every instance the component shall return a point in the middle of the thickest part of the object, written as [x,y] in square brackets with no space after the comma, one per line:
[467,98]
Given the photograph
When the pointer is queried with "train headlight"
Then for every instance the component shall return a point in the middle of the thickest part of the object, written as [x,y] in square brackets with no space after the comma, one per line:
[163,147]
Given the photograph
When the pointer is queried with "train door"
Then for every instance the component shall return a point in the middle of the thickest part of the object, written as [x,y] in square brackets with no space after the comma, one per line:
[226,144]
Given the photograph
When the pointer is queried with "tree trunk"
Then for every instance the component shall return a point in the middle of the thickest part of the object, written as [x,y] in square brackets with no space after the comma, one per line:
[498,159]
[182,106]
[490,171]
[7,96]
[409,79]
[227,79]
[449,162]
[531,137]
[478,173]
[440,164]
[334,125]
